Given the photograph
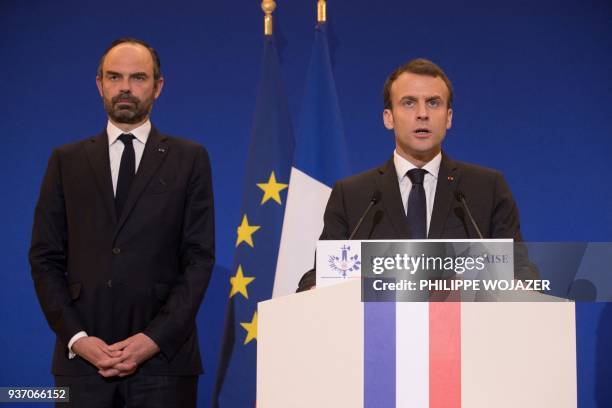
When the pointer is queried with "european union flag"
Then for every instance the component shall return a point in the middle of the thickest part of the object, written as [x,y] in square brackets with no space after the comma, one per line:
[257,235]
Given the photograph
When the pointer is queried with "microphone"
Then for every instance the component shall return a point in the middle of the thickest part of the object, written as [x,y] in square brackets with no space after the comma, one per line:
[375,198]
[461,198]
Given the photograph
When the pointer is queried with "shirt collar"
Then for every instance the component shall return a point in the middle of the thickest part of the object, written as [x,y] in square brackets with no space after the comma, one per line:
[141,133]
[402,165]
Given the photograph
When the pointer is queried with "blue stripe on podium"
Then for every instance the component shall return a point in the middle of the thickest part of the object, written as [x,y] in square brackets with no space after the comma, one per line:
[379,355]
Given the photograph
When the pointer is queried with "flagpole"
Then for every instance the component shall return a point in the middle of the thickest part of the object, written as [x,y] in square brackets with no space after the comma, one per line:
[268,7]
[321,11]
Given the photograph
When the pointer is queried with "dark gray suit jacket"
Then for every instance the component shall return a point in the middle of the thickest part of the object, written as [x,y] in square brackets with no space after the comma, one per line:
[487,195]
[486,192]
[144,272]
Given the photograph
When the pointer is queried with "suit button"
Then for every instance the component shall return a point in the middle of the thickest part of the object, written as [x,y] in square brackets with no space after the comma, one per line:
[116,251]
[109,283]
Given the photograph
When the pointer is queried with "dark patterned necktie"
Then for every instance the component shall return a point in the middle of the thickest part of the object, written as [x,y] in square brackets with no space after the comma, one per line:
[417,208]
[127,169]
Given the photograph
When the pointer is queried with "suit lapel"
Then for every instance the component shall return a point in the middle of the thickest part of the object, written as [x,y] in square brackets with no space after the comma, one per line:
[97,153]
[448,178]
[155,151]
[392,199]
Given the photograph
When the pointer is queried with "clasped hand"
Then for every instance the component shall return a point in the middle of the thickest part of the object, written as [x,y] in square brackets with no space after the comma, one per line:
[119,359]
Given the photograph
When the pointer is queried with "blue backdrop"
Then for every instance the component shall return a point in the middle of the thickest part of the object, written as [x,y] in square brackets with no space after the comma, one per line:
[533,87]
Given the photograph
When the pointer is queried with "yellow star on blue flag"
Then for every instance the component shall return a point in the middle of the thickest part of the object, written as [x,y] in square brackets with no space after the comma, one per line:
[246,231]
[251,329]
[239,283]
[272,189]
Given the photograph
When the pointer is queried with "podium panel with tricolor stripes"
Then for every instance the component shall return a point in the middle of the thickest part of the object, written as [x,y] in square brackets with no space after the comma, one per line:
[326,348]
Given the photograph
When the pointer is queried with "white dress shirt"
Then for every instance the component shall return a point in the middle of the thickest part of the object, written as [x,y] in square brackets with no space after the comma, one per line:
[429,182]
[115,150]
[116,146]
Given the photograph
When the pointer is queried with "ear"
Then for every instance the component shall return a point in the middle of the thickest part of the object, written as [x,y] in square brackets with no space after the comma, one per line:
[158,86]
[449,119]
[388,119]
[99,85]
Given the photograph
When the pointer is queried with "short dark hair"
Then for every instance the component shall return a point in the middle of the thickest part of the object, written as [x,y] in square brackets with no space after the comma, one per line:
[419,66]
[123,40]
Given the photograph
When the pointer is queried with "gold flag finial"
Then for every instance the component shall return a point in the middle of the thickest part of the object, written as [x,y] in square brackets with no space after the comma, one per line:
[321,11]
[268,7]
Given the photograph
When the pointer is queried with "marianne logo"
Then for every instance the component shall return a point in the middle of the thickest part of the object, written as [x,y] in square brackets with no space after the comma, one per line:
[345,263]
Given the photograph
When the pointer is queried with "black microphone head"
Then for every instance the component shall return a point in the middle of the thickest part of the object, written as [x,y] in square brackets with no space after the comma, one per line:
[376,196]
[459,195]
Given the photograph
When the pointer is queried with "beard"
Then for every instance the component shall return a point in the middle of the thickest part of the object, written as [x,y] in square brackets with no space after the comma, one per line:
[127,108]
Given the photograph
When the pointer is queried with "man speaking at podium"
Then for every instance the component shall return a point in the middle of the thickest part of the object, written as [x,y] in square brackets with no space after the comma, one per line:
[123,248]
[420,192]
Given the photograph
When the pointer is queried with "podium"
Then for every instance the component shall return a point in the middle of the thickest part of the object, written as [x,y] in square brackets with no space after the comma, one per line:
[311,353]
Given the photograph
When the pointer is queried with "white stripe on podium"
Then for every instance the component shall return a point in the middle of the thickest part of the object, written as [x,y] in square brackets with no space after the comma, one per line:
[412,355]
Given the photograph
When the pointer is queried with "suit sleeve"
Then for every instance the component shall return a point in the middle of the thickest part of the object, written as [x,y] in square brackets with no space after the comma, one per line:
[335,219]
[176,319]
[48,255]
[505,223]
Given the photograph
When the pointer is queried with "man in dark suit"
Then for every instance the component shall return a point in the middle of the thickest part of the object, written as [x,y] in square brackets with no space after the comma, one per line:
[123,248]
[416,190]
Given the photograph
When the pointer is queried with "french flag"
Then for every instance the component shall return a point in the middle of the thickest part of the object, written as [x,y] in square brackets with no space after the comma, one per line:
[320,158]
[397,370]
[471,355]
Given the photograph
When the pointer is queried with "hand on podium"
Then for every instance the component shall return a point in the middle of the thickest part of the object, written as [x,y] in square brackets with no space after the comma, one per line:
[308,281]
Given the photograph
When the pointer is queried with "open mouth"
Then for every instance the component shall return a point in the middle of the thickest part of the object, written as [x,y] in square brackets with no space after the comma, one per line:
[422,132]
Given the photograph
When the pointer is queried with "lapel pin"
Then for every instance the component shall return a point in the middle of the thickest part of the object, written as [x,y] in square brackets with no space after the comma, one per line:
[161,150]
[451,178]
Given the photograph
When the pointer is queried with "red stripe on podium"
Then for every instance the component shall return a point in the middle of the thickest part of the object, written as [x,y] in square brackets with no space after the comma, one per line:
[444,355]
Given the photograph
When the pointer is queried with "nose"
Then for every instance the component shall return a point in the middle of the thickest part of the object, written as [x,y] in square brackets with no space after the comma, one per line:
[422,113]
[125,85]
